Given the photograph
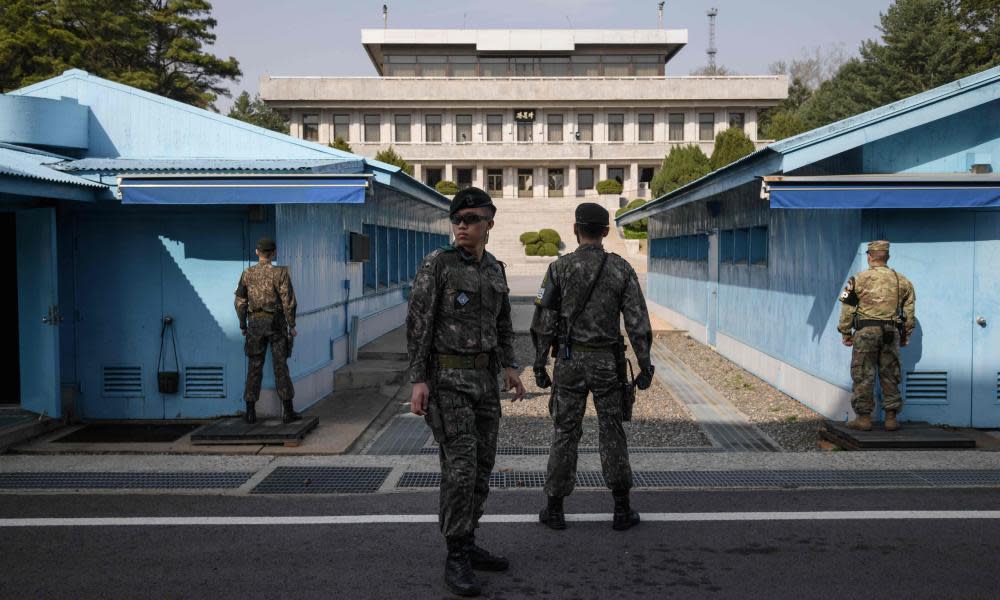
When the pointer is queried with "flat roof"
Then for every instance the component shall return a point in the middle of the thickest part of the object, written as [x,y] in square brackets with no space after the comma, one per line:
[535,41]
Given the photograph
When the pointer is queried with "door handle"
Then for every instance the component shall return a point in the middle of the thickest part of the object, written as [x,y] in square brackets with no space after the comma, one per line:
[981,321]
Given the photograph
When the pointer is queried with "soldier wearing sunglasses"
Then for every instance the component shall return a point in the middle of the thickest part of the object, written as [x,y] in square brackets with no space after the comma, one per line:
[459,339]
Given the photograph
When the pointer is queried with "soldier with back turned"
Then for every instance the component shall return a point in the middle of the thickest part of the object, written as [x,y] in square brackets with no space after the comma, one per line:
[876,318]
[583,296]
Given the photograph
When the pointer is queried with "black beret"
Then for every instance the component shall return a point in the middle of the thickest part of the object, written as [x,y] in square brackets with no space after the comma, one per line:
[266,244]
[589,213]
[471,197]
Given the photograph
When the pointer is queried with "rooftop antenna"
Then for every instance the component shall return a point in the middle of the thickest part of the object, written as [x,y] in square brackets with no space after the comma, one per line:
[659,13]
[385,16]
[712,50]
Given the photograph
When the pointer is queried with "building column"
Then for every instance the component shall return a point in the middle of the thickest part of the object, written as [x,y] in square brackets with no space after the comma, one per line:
[479,176]
[602,173]
[449,171]
[510,182]
[541,182]
[633,181]
[418,172]
[569,190]
[325,127]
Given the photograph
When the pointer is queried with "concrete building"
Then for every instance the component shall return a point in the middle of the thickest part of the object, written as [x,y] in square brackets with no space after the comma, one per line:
[119,208]
[754,268]
[524,113]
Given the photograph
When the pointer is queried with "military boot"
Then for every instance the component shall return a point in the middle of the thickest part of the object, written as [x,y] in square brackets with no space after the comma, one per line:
[458,575]
[482,559]
[891,424]
[288,413]
[553,515]
[624,517]
[251,415]
[861,423]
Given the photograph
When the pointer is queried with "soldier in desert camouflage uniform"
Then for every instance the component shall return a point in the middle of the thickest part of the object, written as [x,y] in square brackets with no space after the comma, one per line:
[265,305]
[876,318]
[459,337]
[586,362]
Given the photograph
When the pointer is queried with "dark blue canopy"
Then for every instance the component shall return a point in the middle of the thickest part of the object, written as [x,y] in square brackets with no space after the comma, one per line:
[244,189]
[883,194]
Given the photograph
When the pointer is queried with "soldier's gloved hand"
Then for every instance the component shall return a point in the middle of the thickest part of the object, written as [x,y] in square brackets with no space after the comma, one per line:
[542,379]
[645,378]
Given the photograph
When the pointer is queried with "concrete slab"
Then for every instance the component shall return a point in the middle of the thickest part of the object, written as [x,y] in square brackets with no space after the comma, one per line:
[391,346]
[915,435]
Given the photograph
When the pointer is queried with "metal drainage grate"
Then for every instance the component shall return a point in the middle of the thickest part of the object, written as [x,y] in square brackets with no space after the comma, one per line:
[323,480]
[739,479]
[500,479]
[122,481]
[404,435]
[544,450]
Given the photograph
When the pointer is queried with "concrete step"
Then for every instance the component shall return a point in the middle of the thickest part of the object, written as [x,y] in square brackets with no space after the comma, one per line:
[26,430]
[366,374]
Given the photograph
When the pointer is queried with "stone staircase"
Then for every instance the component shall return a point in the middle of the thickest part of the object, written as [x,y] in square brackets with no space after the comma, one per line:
[517,215]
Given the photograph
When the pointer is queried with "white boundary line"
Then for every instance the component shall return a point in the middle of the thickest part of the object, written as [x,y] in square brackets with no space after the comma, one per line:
[710,517]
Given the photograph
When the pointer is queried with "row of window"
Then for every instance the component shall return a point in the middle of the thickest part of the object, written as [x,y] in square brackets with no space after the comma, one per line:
[747,245]
[395,254]
[682,247]
[742,246]
[555,179]
[615,130]
[613,65]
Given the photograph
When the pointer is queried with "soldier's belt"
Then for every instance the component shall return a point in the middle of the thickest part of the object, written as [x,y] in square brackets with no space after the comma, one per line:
[576,347]
[261,314]
[874,323]
[464,361]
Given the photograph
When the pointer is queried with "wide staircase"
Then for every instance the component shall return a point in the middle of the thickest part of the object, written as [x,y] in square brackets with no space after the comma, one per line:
[517,215]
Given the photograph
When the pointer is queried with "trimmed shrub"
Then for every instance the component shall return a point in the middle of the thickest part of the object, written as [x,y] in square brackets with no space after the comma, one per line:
[532,249]
[684,164]
[529,237]
[637,230]
[341,144]
[548,249]
[550,236]
[609,186]
[393,158]
[446,187]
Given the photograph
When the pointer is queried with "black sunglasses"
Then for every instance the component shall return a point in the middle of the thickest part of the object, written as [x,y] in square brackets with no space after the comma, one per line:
[468,219]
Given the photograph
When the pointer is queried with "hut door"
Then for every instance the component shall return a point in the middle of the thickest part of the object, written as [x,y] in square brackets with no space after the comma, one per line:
[38,313]
[986,323]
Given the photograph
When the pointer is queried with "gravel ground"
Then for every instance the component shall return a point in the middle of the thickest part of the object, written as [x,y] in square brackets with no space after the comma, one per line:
[790,423]
[658,420]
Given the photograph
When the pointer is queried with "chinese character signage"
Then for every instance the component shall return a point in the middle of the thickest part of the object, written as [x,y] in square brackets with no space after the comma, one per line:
[524,116]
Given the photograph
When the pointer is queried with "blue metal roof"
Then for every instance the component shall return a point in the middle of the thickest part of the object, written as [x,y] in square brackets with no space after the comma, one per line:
[125,165]
[829,140]
[25,162]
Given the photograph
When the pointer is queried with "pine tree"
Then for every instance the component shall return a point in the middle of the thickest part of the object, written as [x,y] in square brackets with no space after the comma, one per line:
[341,144]
[730,145]
[684,164]
[390,156]
[257,112]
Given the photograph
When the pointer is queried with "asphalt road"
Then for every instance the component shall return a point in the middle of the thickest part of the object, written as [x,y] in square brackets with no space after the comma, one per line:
[864,558]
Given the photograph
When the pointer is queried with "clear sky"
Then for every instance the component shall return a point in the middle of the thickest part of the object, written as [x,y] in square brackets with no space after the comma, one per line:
[323,37]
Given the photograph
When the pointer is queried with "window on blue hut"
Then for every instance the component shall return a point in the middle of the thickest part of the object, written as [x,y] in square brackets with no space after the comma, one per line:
[382,256]
[758,245]
[369,273]
[703,248]
[726,246]
[397,252]
[741,246]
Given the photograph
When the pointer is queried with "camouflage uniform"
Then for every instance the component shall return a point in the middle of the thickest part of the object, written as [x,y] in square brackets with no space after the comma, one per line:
[879,296]
[459,306]
[591,368]
[265,305]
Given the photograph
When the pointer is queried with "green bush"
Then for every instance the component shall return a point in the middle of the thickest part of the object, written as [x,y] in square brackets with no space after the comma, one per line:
[548,249]
[632,234]
[446,187]
[730,145]
[532,249]
[393,158]
[609,186]
[550,236]
[341,144]
[529,237]
[637,230]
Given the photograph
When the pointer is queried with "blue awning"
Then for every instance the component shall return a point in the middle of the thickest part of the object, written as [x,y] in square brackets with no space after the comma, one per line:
[244,189]
[892,194]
